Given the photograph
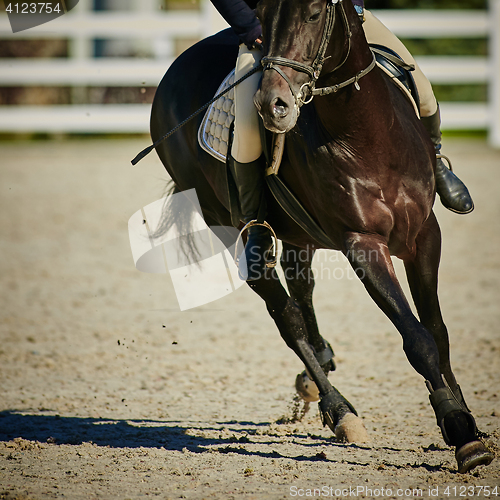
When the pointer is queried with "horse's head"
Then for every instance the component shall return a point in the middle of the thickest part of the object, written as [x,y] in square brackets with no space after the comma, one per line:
[296,37]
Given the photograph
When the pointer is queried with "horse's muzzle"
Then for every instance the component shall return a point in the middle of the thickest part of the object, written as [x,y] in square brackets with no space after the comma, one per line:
[279,113]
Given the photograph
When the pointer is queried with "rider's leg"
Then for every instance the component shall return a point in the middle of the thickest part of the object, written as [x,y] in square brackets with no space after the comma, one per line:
[247,163]
[452,191]
[247,145]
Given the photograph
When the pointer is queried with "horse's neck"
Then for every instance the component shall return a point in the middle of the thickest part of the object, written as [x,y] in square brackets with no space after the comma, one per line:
[346,111]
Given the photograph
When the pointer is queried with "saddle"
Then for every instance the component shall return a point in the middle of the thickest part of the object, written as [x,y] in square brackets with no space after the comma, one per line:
[399,72]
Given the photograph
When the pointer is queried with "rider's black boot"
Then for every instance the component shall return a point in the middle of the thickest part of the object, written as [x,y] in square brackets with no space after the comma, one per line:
[249,179]
[452,191]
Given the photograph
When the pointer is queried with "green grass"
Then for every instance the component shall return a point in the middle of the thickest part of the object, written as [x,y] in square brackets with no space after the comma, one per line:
[447,46]
[461,93]
[465,134]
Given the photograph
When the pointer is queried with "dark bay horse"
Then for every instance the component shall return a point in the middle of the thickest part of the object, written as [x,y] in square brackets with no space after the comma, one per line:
[359,161]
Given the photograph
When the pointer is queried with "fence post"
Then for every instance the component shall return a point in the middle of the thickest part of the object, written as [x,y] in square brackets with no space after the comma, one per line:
[80,49]
[494,83]
[80,46]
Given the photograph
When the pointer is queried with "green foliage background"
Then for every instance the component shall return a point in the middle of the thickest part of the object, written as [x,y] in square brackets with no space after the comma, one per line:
[426,4]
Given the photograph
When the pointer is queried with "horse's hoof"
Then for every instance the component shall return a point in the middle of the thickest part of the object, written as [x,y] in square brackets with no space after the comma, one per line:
[471,455]
[306,388]
[351,429]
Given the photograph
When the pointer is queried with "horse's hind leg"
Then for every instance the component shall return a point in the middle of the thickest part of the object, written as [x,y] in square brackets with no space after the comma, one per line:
[296,265]
[371,260]
[292,327]
[422,273]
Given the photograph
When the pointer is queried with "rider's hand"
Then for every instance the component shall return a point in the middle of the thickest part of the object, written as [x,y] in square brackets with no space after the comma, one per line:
[258,44]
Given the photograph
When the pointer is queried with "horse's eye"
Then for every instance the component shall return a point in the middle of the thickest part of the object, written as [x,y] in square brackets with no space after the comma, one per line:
[314,17]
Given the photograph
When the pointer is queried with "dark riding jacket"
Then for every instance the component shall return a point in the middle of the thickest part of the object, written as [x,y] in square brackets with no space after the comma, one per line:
[240,15]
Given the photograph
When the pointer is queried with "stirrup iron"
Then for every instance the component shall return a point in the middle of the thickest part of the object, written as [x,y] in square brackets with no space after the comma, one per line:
[274,261]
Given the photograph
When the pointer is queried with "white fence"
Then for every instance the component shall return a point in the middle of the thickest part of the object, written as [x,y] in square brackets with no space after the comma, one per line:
[162,28]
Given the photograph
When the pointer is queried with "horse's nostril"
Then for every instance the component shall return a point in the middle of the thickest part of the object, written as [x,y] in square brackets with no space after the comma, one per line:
[280,108]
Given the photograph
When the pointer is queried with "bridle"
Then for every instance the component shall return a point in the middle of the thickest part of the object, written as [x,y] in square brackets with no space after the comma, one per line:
[308,90]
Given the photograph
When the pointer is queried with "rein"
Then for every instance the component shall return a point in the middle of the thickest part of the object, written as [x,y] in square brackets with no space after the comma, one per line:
[308,90]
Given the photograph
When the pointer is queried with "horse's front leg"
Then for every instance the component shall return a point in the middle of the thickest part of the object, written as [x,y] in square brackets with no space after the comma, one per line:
[296,265]
[422,273]
[371,260]
[336,411]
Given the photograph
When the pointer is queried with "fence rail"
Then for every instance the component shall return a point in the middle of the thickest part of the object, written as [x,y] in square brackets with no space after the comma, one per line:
[161,28]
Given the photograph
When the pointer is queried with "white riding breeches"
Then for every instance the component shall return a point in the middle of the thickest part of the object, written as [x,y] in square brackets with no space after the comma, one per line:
[247,145]
[377,33]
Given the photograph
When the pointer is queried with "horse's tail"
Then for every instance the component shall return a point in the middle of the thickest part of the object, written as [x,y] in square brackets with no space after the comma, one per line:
[178,213]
